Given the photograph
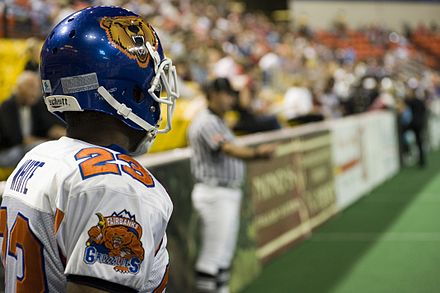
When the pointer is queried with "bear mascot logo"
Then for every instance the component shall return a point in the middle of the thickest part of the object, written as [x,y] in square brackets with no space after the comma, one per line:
[129,34]
[115,240]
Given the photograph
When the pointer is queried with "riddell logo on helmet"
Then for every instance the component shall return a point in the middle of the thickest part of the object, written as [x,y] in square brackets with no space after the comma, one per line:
[58,102]
[62,103]
[129,34]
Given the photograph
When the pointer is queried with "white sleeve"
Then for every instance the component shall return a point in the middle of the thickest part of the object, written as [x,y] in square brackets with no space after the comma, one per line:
[111,235]
[159,273]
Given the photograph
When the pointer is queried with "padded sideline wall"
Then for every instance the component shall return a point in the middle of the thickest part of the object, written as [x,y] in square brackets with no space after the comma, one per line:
[321,13]
[12,61]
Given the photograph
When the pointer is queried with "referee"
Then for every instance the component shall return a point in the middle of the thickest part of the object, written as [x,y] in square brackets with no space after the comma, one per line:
[218,167]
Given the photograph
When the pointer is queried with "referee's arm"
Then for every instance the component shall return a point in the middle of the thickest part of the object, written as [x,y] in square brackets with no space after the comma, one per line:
[248,153]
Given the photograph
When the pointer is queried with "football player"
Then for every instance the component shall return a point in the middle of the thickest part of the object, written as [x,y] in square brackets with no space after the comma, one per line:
[80,214]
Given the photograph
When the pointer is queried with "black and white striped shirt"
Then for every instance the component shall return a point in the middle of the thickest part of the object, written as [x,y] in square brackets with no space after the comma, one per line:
[209,164]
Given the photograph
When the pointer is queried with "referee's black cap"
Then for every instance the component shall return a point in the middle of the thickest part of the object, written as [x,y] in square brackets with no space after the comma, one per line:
[220,84]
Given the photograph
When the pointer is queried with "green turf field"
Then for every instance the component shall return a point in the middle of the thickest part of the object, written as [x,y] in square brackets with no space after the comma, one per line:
[389,241]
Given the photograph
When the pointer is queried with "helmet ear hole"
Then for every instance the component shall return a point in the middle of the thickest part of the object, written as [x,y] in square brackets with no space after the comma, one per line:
[138,94]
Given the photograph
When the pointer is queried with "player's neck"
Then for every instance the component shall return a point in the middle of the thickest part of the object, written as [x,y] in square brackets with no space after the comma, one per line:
[103,138]
[103,130]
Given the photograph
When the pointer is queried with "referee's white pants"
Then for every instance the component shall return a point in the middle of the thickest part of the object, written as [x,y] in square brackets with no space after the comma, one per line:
[219,209]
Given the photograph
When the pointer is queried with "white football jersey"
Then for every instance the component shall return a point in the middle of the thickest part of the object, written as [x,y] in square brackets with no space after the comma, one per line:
[85,213]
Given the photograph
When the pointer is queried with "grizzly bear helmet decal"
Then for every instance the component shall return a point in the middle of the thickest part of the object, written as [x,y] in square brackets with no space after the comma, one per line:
[108,59]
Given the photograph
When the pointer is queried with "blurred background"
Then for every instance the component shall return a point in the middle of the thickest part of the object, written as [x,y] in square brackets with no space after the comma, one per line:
[349,89]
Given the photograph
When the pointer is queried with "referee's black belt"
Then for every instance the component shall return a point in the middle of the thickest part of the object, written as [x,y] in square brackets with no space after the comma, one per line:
[219,183]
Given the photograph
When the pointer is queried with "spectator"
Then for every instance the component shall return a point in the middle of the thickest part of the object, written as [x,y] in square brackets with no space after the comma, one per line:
[330,101]
[297,100]
[418,122]
[386,99]
[363,95]
[218,169]
[24,120]
[250,121]
[404,118]
[299,106]
[33,51]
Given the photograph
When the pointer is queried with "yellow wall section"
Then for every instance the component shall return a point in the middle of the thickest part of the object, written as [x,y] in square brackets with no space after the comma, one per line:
[13,58]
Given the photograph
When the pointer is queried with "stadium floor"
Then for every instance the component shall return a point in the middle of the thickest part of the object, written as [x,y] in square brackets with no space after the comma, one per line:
[389,241]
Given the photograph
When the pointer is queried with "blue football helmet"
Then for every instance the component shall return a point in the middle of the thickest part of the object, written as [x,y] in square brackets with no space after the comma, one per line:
[108,59]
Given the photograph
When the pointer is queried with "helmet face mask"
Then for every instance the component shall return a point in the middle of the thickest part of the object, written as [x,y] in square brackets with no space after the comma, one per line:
[108,59]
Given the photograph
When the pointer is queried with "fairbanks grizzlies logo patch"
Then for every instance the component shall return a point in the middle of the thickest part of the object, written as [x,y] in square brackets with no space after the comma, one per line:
[129,34]
[115,241]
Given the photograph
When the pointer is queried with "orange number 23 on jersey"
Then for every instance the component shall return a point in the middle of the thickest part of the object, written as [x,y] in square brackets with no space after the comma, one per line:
[99,161]
[32,278]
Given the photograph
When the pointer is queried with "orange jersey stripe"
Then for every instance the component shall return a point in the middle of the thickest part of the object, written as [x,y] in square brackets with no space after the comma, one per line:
[158,247]
[59,216]
[162,286]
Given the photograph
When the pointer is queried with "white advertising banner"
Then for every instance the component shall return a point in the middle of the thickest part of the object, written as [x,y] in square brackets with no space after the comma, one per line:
[433,131]
[365,153]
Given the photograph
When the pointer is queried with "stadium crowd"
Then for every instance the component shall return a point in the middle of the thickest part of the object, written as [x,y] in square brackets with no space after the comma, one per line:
[283,75]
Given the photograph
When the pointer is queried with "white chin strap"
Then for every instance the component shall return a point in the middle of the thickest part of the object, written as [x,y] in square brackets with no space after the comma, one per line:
[125,111]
